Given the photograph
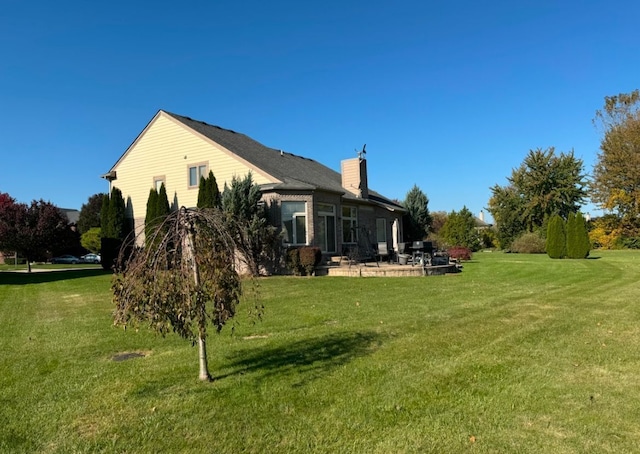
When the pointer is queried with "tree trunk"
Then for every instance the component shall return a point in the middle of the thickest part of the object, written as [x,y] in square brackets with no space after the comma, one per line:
[202,334]
[202,350]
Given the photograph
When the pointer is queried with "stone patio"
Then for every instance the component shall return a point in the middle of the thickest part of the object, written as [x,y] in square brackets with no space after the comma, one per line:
[370,269]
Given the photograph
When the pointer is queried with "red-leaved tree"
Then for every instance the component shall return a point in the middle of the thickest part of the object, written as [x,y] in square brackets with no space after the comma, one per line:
[33,231]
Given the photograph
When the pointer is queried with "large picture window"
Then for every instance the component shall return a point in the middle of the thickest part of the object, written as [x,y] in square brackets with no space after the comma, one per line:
[294,222]
[349,224]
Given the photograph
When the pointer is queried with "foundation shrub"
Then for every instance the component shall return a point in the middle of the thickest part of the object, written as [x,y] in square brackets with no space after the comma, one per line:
[310,257]
[293,261]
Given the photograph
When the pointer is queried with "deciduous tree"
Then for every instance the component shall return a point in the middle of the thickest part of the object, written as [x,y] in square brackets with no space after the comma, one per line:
[33,231]
[507,207]
[460,230]
[438,219]
[90,213]
[90,240]
[548,184]
[616,175]
[543,185]
[184,282]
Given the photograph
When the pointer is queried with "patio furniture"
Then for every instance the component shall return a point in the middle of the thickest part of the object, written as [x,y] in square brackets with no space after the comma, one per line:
[402,257]
[383,251]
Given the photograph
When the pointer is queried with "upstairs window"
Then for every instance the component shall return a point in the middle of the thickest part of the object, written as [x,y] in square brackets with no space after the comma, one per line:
[159,181]
[195,172]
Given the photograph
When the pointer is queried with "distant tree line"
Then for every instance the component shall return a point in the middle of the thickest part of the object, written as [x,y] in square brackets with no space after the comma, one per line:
[35,231]
[549,184]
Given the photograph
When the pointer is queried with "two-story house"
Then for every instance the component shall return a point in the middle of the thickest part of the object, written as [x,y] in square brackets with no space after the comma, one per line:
[311,203]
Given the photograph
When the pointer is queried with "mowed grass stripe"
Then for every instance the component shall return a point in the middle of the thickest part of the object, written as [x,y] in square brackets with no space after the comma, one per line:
[517,353]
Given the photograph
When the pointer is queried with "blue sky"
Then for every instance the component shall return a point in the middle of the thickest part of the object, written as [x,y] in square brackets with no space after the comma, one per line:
[447,95]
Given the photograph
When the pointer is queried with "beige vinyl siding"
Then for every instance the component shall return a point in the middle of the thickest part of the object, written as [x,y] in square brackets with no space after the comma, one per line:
[168,148]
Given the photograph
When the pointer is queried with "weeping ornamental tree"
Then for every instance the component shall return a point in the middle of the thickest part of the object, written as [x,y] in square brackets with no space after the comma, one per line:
[184,282]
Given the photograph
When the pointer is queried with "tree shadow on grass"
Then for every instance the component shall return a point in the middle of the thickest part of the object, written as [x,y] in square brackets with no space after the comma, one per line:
[309,358]
[41,277]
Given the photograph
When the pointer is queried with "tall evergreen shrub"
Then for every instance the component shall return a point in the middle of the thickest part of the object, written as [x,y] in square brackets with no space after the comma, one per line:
[150,218]
[578,244]
[162,204]
[570,227]
[117,220]
[104,217]
[556,238]
[114,227]
[209,193]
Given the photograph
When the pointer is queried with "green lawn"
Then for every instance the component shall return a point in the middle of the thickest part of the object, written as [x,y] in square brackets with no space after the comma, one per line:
[518,353]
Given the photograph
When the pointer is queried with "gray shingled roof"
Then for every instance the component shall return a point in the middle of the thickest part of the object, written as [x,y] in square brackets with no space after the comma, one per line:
[72,215]
[295,172]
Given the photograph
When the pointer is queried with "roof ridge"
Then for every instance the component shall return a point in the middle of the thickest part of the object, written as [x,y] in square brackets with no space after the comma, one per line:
[175,115]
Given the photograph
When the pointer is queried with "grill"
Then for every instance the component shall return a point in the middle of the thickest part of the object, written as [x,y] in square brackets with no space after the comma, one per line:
[422,246]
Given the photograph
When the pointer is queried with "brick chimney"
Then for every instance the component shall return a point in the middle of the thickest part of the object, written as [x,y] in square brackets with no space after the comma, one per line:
[354,176]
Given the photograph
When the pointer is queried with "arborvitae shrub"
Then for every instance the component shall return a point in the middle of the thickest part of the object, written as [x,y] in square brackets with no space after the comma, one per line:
[556,238]
[203,195]
[109,250]
[573,244]
[578,244]
[583,235]
[150,218]
[529,243]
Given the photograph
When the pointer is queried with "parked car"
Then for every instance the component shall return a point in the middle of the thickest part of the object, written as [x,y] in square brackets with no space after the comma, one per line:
[91,258]
[66,259]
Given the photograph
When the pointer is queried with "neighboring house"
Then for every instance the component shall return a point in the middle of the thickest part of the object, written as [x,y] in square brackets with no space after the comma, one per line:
[480,222]
[311,203]
[72,215]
